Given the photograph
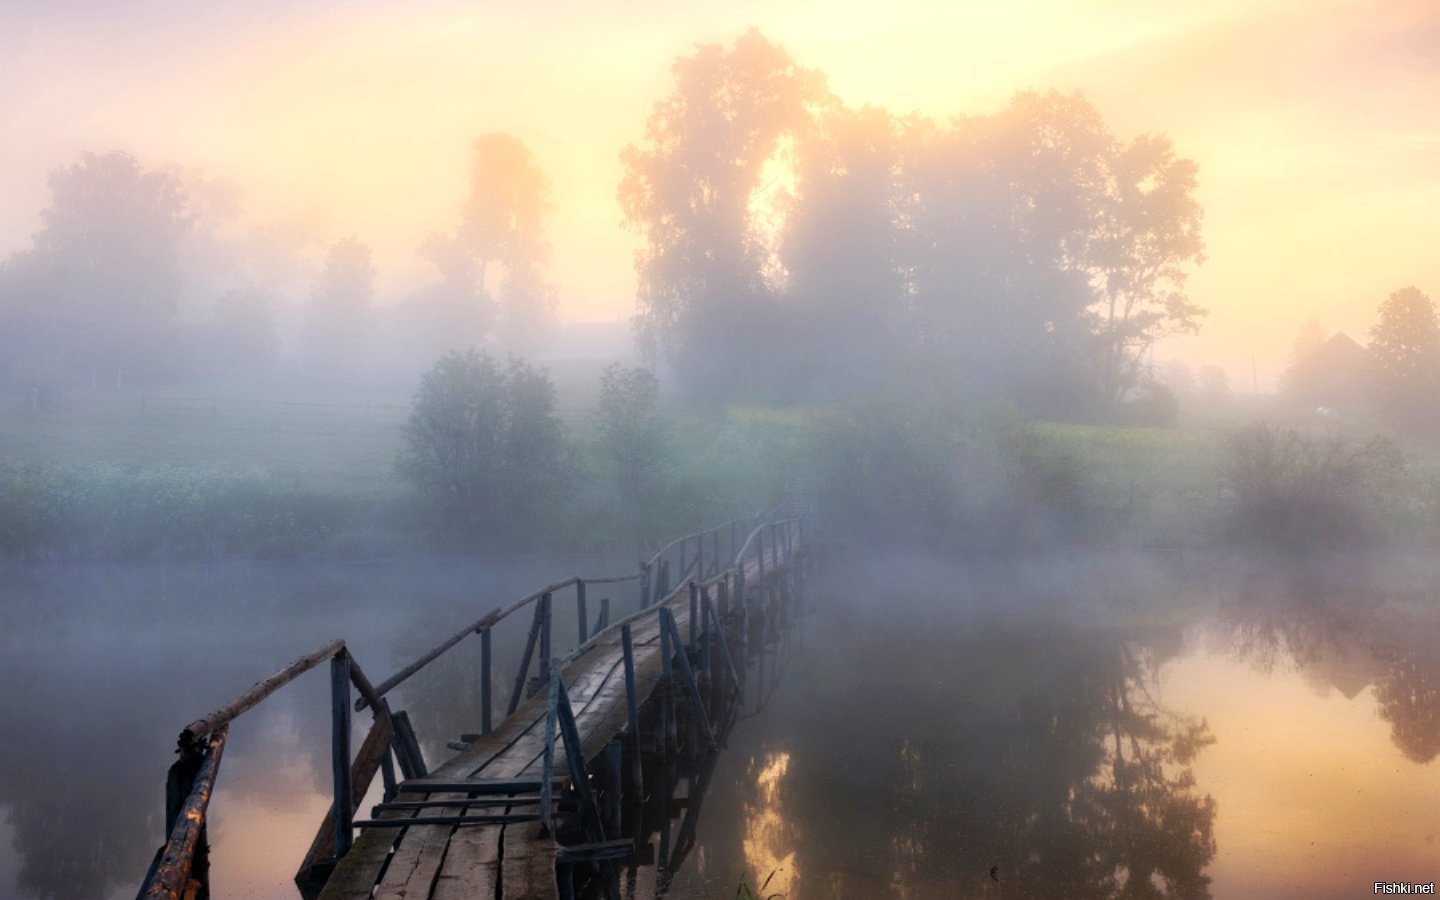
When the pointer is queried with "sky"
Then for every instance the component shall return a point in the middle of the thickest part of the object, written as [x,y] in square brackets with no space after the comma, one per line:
[1315,123]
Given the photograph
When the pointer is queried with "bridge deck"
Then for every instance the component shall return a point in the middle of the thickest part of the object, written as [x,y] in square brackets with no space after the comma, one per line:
[441,862]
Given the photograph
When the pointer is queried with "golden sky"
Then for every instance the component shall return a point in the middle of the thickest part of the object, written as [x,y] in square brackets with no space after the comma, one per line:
[1316,123]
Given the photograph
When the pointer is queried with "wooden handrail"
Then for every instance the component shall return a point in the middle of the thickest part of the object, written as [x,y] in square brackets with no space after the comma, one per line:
[197,730]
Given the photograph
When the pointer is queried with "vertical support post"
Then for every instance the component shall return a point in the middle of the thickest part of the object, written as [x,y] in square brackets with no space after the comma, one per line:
[744,628]
[547,764]
[632,707]
[525,658]
[668,622]
[485,690]
[715,551]
[694,604]
[760,550]
[734,525]
[546,619]
[707,646]
[582,616]
[667,678]
[684,555]
[700,555]
[387,773]
[612,786]
[603,620]
[340,750]
[644,585]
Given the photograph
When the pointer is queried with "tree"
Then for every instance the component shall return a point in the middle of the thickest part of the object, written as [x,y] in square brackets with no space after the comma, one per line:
[845,291]
[997,218]
[632,438]
[1148,233]
[337,321]
[98,289]
[503,222]
[484,445]
[690,192]
[453,311]
[1405,347]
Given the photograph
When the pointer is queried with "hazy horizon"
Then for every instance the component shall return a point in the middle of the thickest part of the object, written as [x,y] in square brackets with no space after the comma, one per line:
[1311,122]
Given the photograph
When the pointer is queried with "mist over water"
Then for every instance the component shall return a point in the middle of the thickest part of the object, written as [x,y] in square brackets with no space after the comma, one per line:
[930,720]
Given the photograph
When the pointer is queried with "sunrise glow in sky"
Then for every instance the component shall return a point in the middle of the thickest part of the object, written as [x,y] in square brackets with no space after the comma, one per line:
[1316,123]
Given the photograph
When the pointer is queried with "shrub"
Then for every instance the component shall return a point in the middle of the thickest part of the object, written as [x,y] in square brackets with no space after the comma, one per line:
[1302,491]
[484,445]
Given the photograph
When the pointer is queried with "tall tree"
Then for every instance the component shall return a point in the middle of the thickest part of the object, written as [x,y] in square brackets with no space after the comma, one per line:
[1148,234]
[338,319]
[839,251]
[503,222]
[1405,347]
[632,439]
[689,190]
[98,289]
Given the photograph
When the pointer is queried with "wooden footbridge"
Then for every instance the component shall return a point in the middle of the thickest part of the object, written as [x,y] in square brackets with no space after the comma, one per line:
[547,802]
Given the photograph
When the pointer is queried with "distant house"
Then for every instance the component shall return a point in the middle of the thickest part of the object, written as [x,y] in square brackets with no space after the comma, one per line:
[1333,376]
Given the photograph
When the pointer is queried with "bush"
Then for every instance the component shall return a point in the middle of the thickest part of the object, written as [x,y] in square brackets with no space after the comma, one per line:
[1300,491]
[484,445]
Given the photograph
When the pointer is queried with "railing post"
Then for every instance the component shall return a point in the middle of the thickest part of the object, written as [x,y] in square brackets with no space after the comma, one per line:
[694,603]
[632,708]
[340,750]
[547,765]
[667,677]
[602,621]
[581,615]
[545,600]
[760,550]
[485,690]
[715,552]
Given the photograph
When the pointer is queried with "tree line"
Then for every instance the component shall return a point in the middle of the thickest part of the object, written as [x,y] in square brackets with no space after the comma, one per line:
[794,247]
[149,273]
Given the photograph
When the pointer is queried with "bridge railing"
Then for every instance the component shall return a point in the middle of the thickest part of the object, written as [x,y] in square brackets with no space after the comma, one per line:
[716,558]
[182,862]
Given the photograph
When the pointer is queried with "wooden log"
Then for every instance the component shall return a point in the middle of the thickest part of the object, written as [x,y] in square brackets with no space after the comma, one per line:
[196,731]
[171,880]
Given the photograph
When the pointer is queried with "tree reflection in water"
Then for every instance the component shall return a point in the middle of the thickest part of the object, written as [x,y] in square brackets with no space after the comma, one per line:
[1045,751]
[1349,634]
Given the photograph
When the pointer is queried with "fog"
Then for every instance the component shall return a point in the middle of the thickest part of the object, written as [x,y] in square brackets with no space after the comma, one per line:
[1098,341]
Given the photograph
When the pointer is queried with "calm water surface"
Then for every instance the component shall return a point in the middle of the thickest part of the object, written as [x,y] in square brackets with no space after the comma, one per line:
[1088,729]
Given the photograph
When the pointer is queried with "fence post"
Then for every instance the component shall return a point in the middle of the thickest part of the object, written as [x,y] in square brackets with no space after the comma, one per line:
[694,603]
[340,750]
